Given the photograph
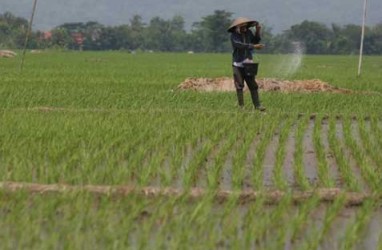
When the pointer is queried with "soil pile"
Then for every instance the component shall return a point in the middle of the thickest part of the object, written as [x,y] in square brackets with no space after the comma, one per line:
[7,53]
[208,84]
[265,84]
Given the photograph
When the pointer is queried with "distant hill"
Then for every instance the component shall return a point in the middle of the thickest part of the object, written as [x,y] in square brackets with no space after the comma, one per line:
[278,14]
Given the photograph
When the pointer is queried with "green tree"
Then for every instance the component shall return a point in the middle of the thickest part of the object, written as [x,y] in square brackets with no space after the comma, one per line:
[166,35]
[108,39]
[92,31]
[345,40]
[315,36]
[12,29]
[373,40]
[211,33]
[61,38]
[340,43]
[136,34]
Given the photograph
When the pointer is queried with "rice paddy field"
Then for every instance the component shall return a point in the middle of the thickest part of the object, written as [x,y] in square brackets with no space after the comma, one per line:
[100,150]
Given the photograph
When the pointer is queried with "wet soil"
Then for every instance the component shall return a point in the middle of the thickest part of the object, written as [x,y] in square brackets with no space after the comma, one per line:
[310,156]
[355,168]
[330,159]
[289,157]
[270,160]
[310,161]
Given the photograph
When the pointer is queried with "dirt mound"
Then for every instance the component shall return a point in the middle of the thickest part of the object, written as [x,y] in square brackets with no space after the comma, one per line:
[208,84]
[265,84]
[7,53]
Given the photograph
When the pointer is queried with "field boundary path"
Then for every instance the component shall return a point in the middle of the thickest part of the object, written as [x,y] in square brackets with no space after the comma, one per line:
[243,197]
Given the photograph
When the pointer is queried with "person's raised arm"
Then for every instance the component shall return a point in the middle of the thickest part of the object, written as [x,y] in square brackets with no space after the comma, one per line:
[237,43]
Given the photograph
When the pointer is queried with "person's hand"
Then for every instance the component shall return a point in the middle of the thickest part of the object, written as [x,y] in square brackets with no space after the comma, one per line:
[258,46]
[258,27]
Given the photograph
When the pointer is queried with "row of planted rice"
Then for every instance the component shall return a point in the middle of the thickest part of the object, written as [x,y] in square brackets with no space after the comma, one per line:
[106,157]
[283,152]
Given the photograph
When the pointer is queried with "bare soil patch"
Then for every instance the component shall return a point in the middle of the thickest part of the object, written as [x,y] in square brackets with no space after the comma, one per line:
[223,84]
[7,53]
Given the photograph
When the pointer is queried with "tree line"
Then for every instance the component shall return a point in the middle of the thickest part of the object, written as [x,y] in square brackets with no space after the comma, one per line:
[207,35]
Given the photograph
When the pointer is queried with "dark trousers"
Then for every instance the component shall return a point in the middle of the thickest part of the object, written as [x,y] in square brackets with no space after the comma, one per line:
[239,77]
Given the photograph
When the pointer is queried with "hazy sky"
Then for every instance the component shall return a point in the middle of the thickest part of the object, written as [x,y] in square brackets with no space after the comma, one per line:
[278,14]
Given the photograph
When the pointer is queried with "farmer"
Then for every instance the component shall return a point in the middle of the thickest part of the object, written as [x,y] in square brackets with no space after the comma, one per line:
[244,41]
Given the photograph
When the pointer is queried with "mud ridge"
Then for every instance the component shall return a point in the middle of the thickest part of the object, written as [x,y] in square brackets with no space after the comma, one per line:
[244,196]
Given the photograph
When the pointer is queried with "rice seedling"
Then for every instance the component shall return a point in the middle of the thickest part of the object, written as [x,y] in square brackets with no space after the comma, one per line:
[278,172]
[356,229]
[268,129]
[323,167]
[215,170]
[298,168]
[343,164]
[298,223]
[317,236]
[366,169]
[238,165]
[121,120]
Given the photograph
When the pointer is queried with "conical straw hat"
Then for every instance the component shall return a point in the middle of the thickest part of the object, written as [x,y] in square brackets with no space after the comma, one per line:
[241,20]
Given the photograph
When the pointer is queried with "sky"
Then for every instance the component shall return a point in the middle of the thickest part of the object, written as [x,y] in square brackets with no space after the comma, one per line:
[276,14]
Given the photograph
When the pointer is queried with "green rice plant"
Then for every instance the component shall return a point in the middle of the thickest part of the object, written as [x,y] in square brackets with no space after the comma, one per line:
[355,231]
[169,235]
[370,148]
[166,225]
[299,222]
[253,222]
[322,164]
[69,221]
[150,168]
[238,165]
[298,167]
[267,132]
[196,162]
[155,155]
[374,161]
[50,80]
[318,235]
[178,151]
[367,171]
[198,159]
[377,130]
[343,164]
[275,226]
[171,158]
[278,172]
[379,247]
[216,224]
[231,220]
[136,161]
[214,172]
[378,136]
[82,118]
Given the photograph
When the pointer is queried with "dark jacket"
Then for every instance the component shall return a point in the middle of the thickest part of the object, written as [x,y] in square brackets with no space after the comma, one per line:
[242,45]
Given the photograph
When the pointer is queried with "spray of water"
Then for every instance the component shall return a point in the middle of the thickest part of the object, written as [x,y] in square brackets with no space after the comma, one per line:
[290,62]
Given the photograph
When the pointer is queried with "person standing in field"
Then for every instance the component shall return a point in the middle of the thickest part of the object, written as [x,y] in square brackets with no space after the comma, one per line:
[244,41]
